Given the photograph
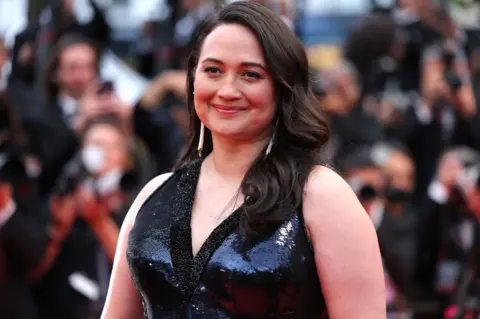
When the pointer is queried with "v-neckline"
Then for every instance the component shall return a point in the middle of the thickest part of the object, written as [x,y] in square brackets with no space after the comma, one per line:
[189,267]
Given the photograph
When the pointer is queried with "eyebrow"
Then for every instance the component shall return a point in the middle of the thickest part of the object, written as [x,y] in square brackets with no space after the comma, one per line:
[255,64]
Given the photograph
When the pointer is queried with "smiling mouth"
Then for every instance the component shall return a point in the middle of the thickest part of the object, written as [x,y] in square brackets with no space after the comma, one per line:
[228,109]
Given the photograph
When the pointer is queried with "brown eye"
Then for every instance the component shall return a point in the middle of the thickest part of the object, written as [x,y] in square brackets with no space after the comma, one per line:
[212,70]
[252,74]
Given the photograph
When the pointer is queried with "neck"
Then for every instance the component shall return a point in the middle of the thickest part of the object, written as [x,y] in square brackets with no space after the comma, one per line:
[232,159]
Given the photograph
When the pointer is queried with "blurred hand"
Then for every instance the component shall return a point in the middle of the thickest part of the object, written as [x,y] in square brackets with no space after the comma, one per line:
[448,171]
[388,114]
[473,201]
[176,80]
[94,104]
[26,54]
[63,215]
[5,195]
[68,6]
[92,210]
[435,87]
[169,81]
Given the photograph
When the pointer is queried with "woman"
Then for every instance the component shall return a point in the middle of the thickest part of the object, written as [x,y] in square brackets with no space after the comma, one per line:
[248,227]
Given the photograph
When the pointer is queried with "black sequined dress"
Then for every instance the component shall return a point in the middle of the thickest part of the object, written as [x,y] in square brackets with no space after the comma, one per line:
[229,277]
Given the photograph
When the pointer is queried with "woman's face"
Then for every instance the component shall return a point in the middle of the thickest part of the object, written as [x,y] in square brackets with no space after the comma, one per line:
[233,91]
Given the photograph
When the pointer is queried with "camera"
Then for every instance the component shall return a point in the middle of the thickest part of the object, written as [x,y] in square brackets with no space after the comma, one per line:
[105,88]
[12,169]
[73,175]
[363,190]
[451,77]
[319,89]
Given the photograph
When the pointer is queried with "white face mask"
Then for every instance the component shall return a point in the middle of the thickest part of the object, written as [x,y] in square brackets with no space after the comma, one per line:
[93,158]
[109,182]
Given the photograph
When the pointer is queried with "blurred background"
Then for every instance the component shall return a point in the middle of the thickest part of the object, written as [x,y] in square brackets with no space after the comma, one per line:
[92,106]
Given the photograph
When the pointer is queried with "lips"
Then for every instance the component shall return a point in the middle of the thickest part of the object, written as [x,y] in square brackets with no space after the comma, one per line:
[225,109]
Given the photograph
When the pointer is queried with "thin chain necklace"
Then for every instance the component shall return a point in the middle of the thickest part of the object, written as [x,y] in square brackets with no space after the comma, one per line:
[233,201]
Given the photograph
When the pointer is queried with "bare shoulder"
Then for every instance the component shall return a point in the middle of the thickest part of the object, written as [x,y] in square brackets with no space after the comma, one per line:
[330,201]
[144,194]
[345,247]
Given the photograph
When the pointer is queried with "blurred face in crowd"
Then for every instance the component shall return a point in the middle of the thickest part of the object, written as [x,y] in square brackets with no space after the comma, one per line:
[341,93]
[76,69]
[104,149]
[234,93]
[399,172]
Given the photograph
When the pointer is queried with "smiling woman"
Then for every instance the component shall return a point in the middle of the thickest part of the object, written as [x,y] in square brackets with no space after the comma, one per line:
[234,94]
[249,225]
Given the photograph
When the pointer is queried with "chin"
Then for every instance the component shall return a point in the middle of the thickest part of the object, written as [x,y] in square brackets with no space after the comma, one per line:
[228,132]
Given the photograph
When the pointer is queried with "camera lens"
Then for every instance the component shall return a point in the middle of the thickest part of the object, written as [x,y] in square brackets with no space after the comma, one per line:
[367,192]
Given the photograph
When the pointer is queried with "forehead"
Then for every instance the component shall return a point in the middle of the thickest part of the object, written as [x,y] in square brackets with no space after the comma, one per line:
[103,132]
[399,161]
[232,38]
[77,51]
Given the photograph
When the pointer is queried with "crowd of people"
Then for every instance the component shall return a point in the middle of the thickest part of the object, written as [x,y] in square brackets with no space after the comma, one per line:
[402,106]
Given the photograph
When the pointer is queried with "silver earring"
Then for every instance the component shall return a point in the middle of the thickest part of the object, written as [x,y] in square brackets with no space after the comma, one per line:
[201,139]
[270,143]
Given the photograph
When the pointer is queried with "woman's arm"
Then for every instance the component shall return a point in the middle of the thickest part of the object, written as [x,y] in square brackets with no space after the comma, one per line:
[123,300]
[346,248]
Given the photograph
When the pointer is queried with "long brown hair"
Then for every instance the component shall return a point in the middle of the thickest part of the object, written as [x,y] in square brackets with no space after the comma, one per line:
[275,183]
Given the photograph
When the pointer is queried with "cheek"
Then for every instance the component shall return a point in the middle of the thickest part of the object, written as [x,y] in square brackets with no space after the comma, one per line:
[261,97]
[204,90]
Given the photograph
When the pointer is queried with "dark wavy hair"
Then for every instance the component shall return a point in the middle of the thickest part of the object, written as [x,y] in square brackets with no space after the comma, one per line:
[274,183]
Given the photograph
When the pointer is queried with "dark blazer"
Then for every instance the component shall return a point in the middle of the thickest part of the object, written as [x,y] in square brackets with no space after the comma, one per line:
[55,141]
[23,240]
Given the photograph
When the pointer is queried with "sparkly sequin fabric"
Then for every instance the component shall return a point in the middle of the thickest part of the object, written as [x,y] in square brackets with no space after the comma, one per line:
[230,277]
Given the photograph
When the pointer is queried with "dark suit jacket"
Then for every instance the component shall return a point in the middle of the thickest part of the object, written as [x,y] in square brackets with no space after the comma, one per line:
[439,240]
[23,240]
[55,141]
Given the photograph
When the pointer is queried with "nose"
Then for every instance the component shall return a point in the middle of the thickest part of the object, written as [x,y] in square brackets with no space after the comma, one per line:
[229,90]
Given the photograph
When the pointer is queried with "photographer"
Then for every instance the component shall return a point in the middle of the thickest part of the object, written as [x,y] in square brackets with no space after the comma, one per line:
[23,236]
[382,177]
[338,93]
[449,233]
[87,207]
[445,114]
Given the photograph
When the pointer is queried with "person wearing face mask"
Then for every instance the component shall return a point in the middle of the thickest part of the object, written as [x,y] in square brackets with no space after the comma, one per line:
[86,218]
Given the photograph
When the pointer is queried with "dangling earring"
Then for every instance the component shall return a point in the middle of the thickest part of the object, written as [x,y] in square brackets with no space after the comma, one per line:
[201,139]
[270,143]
